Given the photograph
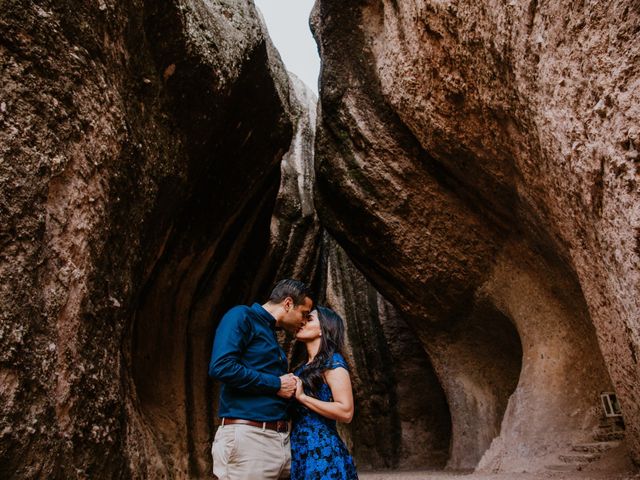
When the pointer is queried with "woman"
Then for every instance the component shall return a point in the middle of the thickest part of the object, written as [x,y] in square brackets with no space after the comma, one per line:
[324,396]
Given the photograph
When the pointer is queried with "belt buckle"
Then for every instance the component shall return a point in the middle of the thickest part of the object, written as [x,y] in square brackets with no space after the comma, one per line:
[282,426]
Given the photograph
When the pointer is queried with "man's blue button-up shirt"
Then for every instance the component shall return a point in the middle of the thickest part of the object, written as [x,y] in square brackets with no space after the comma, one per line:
[248,360]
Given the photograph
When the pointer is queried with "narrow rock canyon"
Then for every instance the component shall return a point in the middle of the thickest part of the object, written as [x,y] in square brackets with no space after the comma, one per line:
[463,192]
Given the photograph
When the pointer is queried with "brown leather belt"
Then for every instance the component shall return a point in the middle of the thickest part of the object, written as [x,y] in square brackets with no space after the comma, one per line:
[278,426]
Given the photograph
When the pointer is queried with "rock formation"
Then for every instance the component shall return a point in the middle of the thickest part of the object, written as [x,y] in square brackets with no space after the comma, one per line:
[295,229]
[402,418]
[478,162]
[140,146]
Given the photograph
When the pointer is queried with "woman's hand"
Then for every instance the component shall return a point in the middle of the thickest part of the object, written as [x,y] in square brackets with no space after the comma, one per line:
[299,389]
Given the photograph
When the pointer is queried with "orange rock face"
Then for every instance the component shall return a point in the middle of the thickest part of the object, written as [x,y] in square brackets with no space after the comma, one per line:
[478,161]
[140,146]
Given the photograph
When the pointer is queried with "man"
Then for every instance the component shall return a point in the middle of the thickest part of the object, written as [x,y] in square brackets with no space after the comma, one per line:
[252,441]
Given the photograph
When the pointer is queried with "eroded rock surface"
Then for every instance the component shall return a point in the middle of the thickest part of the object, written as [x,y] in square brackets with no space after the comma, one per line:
[402,418]
[140,146]
[478,161]
[295,228]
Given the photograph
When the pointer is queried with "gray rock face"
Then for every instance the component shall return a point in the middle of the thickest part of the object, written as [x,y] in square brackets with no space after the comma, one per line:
[477,160]
[295,229]
[139,161]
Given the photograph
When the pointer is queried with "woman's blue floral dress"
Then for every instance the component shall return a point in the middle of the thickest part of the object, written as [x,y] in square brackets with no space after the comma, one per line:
[317,451]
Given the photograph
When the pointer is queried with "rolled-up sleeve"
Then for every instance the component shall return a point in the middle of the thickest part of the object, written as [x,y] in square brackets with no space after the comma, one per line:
[232,336]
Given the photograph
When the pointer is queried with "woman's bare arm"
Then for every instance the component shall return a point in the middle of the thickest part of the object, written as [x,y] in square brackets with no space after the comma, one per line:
[341,408]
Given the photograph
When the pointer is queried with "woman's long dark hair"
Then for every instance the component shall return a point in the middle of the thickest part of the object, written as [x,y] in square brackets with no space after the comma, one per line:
[331,341]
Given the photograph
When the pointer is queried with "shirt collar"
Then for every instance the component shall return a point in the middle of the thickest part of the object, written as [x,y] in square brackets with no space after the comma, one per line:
[264,315]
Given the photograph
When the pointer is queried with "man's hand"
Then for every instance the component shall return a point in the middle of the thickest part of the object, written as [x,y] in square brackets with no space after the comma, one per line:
[287,386]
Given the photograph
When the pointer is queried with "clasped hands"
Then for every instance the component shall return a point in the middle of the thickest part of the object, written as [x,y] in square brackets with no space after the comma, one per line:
[290,385]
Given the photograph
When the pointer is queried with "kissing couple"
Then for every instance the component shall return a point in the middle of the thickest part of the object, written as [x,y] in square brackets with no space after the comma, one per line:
[277,423]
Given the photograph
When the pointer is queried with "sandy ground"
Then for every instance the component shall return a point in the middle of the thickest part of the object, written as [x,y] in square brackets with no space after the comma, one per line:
[415,475]
[616,465]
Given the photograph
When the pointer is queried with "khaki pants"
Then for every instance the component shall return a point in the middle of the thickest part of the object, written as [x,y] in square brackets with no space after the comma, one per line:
[243,452]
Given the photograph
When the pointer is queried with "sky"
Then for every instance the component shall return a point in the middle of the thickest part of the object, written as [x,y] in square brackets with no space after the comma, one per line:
[288,25]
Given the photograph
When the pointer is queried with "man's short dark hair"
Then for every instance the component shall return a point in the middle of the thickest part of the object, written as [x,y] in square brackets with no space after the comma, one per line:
[288,287]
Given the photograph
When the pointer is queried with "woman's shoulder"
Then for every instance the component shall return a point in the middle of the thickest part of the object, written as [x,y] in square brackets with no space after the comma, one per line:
[336,361]
[338,357]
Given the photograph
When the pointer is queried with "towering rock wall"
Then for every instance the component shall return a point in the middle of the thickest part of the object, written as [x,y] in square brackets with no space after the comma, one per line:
[478,161]
[140,146]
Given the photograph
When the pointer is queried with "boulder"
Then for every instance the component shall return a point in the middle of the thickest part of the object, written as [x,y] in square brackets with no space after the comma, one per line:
[478,162]
[140,145]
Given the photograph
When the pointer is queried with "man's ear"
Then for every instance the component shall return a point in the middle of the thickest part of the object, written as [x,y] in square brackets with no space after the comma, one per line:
[288,303]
